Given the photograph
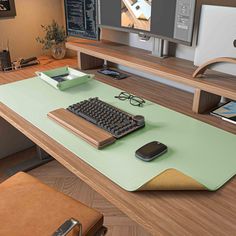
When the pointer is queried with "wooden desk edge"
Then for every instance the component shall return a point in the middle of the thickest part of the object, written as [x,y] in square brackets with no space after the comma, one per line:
[68,159]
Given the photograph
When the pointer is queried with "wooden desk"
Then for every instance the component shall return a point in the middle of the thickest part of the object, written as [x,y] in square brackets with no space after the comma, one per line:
[29,72]
[160,212]
[208,90]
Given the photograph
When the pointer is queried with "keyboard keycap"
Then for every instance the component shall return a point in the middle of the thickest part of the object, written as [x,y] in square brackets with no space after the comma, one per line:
[107,117]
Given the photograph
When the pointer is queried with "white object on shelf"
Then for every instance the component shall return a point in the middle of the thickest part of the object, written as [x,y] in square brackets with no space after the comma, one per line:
[216,37]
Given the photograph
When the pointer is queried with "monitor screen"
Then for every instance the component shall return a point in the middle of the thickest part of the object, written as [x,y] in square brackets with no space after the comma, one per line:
[168,19]
[81,18]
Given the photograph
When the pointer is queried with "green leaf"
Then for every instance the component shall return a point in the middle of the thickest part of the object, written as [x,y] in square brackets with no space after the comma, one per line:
[54,34]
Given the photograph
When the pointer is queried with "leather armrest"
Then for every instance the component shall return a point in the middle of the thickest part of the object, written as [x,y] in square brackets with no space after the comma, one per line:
[72,227]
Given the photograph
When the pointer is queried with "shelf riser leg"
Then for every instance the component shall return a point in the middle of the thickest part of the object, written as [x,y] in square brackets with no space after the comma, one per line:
[204,101]
[86,62]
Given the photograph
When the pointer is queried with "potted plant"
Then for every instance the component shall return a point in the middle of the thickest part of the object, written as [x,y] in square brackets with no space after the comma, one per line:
[54,39]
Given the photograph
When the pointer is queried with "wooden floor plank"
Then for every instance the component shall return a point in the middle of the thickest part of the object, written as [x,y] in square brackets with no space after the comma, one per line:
[58,177]
[66,182]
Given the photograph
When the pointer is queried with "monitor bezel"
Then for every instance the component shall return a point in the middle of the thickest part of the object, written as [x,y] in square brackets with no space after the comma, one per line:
[130,30]
[137,31]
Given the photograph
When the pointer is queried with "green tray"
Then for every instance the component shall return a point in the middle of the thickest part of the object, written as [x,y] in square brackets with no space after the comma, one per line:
[70,76]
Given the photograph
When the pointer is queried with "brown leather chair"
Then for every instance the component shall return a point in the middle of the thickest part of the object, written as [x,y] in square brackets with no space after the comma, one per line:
[31,208]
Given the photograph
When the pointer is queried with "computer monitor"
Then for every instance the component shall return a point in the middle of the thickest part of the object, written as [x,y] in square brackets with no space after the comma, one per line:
[172,20]
[81,18]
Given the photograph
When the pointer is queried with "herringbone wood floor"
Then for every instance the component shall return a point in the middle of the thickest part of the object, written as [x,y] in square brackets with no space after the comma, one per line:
[58,177]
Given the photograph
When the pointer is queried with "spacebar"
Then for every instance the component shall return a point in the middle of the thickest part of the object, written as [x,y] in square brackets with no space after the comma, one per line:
[92,134]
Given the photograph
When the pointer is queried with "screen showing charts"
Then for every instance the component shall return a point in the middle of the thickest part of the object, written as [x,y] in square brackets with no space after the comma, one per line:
[81,18]
[168,19]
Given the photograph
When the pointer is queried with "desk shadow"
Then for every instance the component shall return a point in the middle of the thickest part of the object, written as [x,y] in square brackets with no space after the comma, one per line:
[177,193]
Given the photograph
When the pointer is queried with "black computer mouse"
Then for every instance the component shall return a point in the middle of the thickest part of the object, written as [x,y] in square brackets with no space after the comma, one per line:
[150,151]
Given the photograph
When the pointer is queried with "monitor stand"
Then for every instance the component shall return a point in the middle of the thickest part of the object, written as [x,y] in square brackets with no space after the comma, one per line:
[160,48]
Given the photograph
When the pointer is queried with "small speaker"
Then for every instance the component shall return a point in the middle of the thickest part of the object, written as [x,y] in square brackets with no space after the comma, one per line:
[5,60]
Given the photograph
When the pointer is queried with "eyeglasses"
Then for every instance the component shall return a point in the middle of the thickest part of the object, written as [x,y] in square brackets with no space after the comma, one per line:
[134,100]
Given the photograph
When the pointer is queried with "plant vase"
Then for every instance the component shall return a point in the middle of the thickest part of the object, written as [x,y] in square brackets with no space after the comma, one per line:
[58,51]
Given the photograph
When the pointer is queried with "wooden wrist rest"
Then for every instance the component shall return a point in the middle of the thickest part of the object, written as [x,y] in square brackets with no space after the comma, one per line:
[92,134]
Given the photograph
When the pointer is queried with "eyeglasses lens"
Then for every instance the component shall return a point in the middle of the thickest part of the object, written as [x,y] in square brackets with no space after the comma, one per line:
[124,96]
[136,101]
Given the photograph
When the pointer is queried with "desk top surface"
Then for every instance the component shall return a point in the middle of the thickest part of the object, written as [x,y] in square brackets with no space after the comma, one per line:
[183,212]
[196,149]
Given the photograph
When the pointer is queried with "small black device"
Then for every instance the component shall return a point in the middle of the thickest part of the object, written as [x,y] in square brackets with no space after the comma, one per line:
[28,60]
[31,61]
[113,120]
[151,151]
[60,78]
[5,60]
[113,73]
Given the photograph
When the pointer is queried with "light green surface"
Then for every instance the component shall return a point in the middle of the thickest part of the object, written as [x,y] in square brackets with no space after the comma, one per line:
[201,151]
[75,77]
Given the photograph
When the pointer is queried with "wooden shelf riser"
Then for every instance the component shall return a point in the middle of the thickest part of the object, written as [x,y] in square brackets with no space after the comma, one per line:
[86,62]
[204,101]
[174,69]
[209,89]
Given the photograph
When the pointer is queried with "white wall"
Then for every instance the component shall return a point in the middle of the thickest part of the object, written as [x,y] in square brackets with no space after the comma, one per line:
[25,27]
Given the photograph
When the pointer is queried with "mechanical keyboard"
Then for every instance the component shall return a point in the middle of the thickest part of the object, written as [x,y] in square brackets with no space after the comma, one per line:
[111,119]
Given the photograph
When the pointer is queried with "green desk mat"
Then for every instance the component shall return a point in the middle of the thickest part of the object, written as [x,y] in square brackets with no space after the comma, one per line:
[198,150]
